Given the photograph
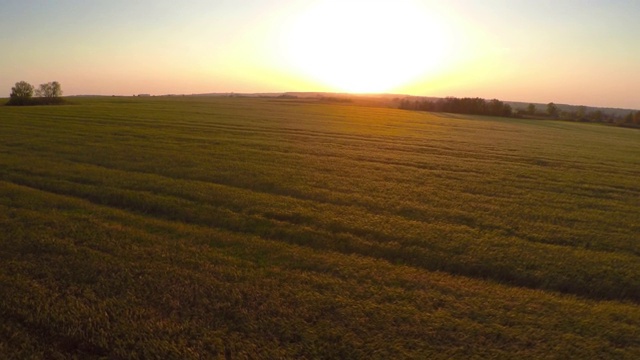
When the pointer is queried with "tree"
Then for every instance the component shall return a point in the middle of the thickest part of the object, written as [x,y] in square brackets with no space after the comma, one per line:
[531,109]
[629,118]
[22,90]
[49,90]
[496,107]
[596,115]
[21,94]
[507,111]
[552,109]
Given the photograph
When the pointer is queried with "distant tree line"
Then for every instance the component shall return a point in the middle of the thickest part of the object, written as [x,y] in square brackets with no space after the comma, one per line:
[471,106]
[495,107]
[581,114]
[46,94]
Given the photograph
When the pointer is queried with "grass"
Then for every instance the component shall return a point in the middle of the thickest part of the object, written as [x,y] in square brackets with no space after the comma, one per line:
[233,228]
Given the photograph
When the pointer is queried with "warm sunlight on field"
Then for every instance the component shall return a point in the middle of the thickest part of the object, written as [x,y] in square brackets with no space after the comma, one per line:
[215,227]
[372,48]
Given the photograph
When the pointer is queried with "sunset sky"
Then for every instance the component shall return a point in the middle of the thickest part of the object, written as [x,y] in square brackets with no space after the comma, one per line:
[581,52]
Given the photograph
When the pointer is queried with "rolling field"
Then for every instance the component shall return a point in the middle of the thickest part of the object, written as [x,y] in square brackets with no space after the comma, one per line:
[232,228]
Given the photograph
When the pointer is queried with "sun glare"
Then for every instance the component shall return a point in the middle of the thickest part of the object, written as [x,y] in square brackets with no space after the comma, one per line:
[366,47]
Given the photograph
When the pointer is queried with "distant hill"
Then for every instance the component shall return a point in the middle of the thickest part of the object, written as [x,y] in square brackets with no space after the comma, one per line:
[391,100]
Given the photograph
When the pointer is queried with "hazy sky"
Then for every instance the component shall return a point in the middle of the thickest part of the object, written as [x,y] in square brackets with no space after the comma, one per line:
[566,51]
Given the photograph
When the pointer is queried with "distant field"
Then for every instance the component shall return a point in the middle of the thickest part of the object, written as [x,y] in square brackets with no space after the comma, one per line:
[231,228]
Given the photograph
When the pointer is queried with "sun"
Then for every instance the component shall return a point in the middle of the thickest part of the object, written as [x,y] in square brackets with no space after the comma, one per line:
[365,46]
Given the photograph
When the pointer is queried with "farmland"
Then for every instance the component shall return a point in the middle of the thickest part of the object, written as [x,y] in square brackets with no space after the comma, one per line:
[186,228]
